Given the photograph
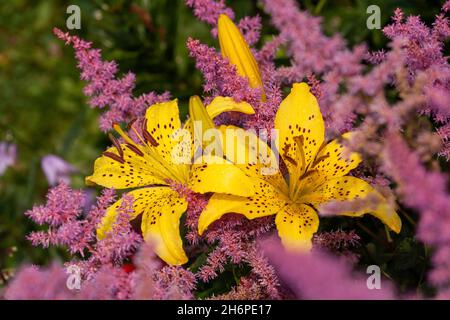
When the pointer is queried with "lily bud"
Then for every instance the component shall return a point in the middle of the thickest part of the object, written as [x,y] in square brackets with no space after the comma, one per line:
[235,48]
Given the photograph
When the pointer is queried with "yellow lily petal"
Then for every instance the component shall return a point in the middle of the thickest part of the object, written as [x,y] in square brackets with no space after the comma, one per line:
[349,188]
[333,161]
[301,130]
[139,207]
[163,124]
[133,171]
[161,223]
[266,201]
[235,48]
[299,116]
[214,174]
[161,209]
[252,155]
[296,225]
[225,104]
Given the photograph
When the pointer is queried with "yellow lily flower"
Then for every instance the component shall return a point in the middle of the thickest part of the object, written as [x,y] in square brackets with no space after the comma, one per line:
[234,47]
[153,166]
[317,174]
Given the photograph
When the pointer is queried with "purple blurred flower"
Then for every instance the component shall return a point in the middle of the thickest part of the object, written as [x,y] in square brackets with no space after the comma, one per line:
[446,6]
[56,170]
[150,281]
[8,155]
[31,283]
[108,283]
[317,275]
[432,202]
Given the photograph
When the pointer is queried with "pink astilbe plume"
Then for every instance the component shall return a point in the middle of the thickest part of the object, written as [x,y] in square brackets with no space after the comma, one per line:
[313,54]
[263,272]
[221,78]
[62,211]
[310,49]
[209,11]
[424,56]
[250,28]
[339,242]
[150,281]
[196,203]
[446,6]
[108,283]
[121,241]
[70,226]
[432,202]
[235,238]
[104,88]
[247,289]
[174,283]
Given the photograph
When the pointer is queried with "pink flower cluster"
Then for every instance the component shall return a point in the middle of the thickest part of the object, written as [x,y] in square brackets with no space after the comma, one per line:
[104,89]
[70,226]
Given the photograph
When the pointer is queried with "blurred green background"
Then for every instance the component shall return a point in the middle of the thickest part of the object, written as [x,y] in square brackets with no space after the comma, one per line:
[43,110]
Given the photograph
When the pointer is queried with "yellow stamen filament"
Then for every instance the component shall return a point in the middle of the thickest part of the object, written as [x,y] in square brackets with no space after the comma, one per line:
[123,134]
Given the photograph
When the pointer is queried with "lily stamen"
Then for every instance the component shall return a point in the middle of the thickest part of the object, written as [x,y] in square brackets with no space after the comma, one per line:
[299,141]
[116,144]
[135,149]
[113,156]
[147,136]
[287,156]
